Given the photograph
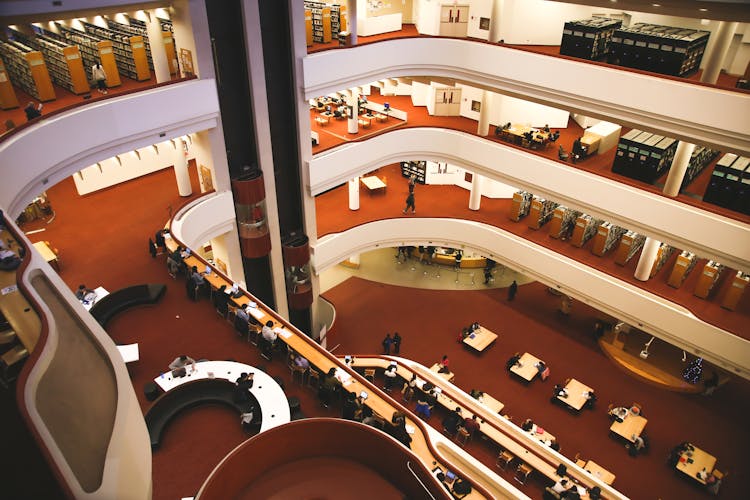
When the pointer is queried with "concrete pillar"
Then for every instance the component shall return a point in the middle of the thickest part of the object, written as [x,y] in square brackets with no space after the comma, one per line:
[497,8]
[353,124]
[475,197]
[354,194]
[156,43]
[722,39]
[678,168]
[351,19]
[181,170]
[646,261]
[483,127]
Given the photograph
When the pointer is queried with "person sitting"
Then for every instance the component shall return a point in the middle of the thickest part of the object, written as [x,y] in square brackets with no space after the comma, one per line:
[268,340]
[560,486]
[527,425]
[84,294]
[452,421]
[546,128]
[328,387]
[559,391]
[595,493]
[301,362]
[221,301]
[242,387]
[423,408]
[513,361]
[179,363]
[638,444]
[443,365]
[458,257]
[390,377]
[618,413]
[471,424]
[475,393]
[590,399]
[241,319]
[561,154]
[246,419]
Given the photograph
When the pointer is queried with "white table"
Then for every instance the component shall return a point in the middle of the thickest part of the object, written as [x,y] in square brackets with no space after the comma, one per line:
[274,406]
[373,183]
[100,292]
[129,352]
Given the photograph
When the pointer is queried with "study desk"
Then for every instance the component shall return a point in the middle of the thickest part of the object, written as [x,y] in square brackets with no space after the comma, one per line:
[99,292]
[526,367]
[519,134]
[47,254]
[700,460]
[631,425]
[364,121]
[320,120]
[541,434]
[480,339]
[600,472]
[447,376]
[274,406]
[575,390]
[491,403]
[374,183]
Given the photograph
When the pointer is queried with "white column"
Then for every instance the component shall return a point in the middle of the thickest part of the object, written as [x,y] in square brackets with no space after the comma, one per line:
[354,194]
[497,8]
[156,43]
[351,19]
[647,259]
[678,168]
[483,127]
[475,197]
[355,259]
[353,124]
[181,170]
[713,62]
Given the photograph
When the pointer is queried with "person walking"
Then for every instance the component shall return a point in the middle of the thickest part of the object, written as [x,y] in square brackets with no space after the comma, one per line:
[512,290]
[396,343]
[410,203]
[387,341]
[100,77]
[412,182]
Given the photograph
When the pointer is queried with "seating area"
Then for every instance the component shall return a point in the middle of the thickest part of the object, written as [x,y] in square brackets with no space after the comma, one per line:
[189,395]
[125,298]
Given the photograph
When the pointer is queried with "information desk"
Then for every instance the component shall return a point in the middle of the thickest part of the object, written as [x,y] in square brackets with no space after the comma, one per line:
[273,403]
[480,339]
[693,462]
[631,425]
[600,472]
[374,183]
[447,257]
[576,398]
[525,136]
[47,254]
[526,367]
[447,376]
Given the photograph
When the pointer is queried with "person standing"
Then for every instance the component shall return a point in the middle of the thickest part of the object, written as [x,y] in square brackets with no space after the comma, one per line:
[33,112]
[512,290]
[412,182]
[396,343]
[100,77]
[152,248]
[387,341]
[410,203]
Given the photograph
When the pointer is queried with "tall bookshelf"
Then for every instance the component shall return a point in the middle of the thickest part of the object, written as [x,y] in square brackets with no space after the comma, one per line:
[170,46]
[8,99]
[321,20]
[129,51]
[135,28]
[63,61]
[416,168]
[27,70]
[588,38]
[338,19]
[93,50]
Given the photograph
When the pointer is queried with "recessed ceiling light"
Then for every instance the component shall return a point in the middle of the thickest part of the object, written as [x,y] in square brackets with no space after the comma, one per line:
[703,10]
[656,4]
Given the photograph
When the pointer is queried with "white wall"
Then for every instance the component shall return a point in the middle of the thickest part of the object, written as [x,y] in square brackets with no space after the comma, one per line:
[93,178]
[428,19]
[504,109]
[478,9]
[419,93]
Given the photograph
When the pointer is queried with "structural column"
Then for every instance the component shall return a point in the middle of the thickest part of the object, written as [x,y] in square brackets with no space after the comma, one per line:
[156,43]
[647,259]
[483,127]
[497,8]
[678,168]
[354,194]
[353,124]
[722,39]
[181,170]
[475,197]
[351,19]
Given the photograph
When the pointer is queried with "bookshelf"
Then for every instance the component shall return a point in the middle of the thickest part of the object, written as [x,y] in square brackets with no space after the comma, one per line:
[416,168]
[662,256]
[630,244]
[729,186]
[135,28]
[563,221]
[585,229]
[27,70]
[321,21]
[8,99]
[541,211]
[588,38]
[520,205]
[93,50]
[170,46]
[63,61]
[129,51]
[308,27]
[338,19]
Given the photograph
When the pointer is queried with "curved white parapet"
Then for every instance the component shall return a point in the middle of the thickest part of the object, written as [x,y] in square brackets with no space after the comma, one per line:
[126,466]
[675,108]
[622,300]
[686,227]
[204,219]
[58,146]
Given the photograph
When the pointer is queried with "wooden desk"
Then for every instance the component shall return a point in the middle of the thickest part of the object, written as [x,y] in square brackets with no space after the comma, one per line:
[373,183]
[630,425]
[321,120]
[515,134]
[47,254]
[447,376]
[493,404]
[544,436]
[15,307]
[701,460]
[364,122]
[600,472]
[483,338]
[575,390]
[381,117]
[527,369]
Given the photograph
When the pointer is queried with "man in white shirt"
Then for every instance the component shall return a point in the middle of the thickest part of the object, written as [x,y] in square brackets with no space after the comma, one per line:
[268,333]
[181,361]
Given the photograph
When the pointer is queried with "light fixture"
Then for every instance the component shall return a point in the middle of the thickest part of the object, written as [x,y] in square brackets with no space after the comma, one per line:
[644,352]
[119,160]
[684,356]
[174,143]
[656,4]
[703,10]
[156,148]
[100,167]
[187,138]
[136,154]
